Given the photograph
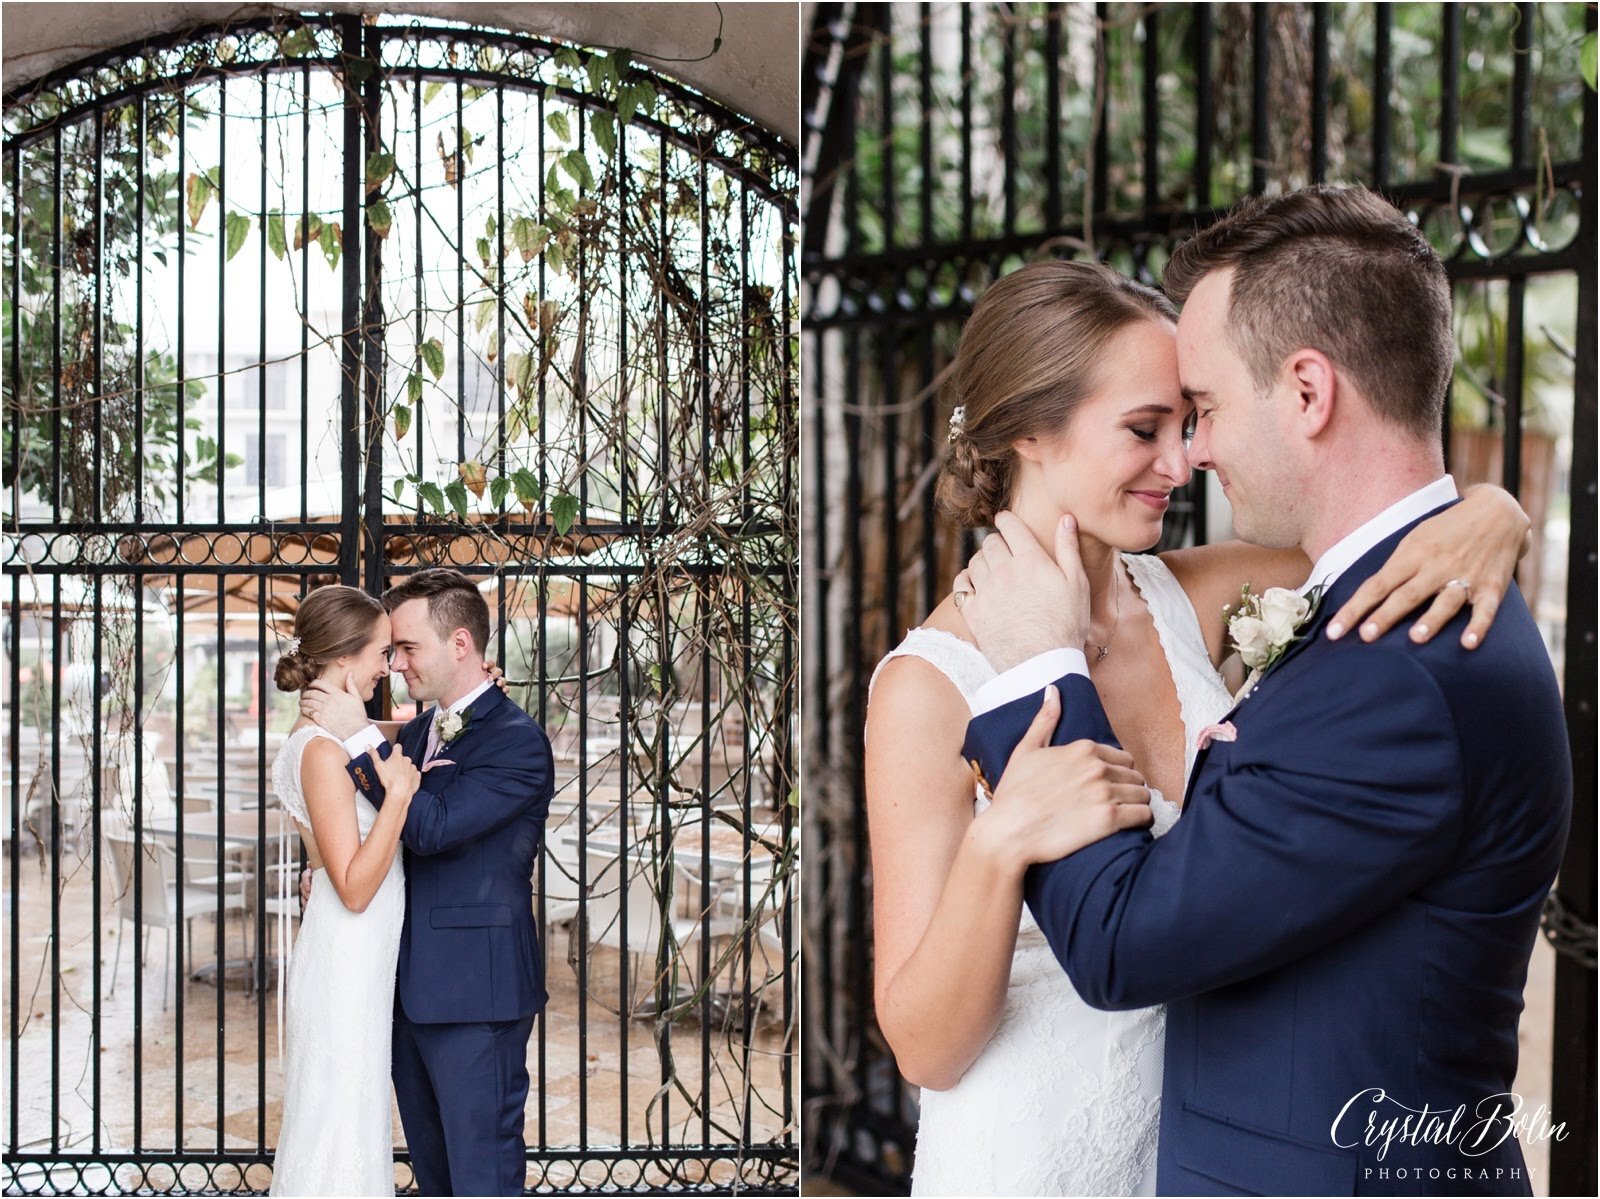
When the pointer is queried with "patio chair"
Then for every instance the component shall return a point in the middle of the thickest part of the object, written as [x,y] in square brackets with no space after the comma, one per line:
[617,882]
[158,897]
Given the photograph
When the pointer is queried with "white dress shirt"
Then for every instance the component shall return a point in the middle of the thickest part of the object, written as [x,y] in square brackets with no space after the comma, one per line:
[371,737]
[1039,671]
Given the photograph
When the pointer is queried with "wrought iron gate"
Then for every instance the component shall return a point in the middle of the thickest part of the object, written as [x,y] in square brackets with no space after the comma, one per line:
[333,298]
[947,144]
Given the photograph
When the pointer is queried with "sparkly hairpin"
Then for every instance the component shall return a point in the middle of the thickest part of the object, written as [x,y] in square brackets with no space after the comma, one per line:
[294,646]
[958,421]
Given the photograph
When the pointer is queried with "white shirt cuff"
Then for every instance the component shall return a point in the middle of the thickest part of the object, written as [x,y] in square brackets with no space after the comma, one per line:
[368,738]
[1035,674]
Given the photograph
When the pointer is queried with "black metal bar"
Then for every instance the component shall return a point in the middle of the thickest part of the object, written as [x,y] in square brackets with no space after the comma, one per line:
[96,758]
[305,287]
[182,389]
[56,675]
[461,277]
[1382,89]
[1511,387]
[1572,1077]
[99,323]
[222,386]
[350,322]
[1449,87]
[1522,86]
[14,757]
[56,269]
[925,124]
[1151,101]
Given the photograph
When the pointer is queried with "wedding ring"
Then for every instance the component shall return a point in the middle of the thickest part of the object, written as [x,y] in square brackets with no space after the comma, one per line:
[1464,584]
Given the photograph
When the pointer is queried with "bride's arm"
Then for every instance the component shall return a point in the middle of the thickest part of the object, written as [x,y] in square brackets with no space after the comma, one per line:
[945,909]
[1479,539]
[356,868]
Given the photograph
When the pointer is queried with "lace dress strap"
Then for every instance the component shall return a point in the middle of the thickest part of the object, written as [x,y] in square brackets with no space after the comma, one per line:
[286,771]
[1203,696]
[959,661]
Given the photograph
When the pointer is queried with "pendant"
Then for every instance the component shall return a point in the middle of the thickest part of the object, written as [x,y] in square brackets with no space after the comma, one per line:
[1100,652]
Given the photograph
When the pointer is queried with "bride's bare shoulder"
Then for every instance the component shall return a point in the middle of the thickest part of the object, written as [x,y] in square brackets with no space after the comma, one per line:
[946,619]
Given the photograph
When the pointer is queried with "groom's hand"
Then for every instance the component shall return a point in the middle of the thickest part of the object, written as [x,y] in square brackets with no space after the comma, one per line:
[1020,602]
[341,711]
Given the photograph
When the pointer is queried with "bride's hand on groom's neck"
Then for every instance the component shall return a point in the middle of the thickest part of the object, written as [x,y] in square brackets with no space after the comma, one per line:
[340,710]
[1020,601]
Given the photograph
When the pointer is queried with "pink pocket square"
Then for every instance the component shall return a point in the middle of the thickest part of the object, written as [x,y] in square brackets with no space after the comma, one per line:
[1217,732]
[427,766]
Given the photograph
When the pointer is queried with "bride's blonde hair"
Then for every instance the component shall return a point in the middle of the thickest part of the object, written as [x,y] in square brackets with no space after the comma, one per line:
[1029,354]
[332,621]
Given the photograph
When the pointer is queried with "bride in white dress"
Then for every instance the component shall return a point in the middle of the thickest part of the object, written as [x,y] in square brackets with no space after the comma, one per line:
[1068,401]
[337,1136]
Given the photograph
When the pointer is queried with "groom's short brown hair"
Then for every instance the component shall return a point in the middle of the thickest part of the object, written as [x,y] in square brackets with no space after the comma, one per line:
[1340,270]
[454,602]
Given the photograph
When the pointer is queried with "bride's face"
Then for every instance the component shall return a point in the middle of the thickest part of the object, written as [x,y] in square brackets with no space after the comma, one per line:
[1123,452]
[371,665]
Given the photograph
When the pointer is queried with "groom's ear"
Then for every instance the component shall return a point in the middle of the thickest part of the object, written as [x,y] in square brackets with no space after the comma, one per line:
[1310,376]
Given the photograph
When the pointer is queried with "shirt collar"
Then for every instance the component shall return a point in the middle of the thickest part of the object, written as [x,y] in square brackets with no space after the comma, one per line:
[1344,554]
[466,699]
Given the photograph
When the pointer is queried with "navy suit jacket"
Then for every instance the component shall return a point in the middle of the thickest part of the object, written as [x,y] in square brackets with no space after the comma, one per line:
[1348,903]
[469,951]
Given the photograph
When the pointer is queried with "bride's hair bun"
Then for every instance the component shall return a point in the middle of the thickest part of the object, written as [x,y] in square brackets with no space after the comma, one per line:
[1029,354]
[333,621]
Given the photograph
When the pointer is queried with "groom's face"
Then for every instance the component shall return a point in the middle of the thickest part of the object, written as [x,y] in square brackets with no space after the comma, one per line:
[421,656]
[1238,428]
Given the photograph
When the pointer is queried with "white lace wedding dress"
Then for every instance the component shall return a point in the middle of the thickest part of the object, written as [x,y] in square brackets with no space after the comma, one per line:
[1065,1099]
[337,1137]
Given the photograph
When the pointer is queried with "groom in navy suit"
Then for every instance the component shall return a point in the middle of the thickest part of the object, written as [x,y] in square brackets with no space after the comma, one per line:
[471,975]
[1340,923]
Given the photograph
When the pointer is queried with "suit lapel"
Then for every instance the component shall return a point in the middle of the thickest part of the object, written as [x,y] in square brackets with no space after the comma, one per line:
[1331,601]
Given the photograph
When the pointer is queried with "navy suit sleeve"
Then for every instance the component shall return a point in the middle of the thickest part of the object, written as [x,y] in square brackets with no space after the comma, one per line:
[992,736]
[475,800]
[1336,803]
[365,776]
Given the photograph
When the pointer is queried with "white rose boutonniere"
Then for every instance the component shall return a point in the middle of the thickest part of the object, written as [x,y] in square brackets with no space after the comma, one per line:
[451,725]
[1262,627]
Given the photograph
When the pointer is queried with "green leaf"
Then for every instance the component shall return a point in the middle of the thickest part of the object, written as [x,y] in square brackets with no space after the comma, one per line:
[414,388]
[238,228]
[575,164]
[627,102]
[429,92]
[498,487]
[433,357]
[380,166]
[604,127]
[456,493]
[595,68]
[483,313]
[559,125]
[332,243]
[556,257]
[402,421]
[379,217]
[399,486]
[306,229]
[275,241]
[1587,57]
[568,57]
[645,93]
[200,191]
[529,237]
[431,495]
[527,486]
[483,250]
[297,42]
[563,511]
